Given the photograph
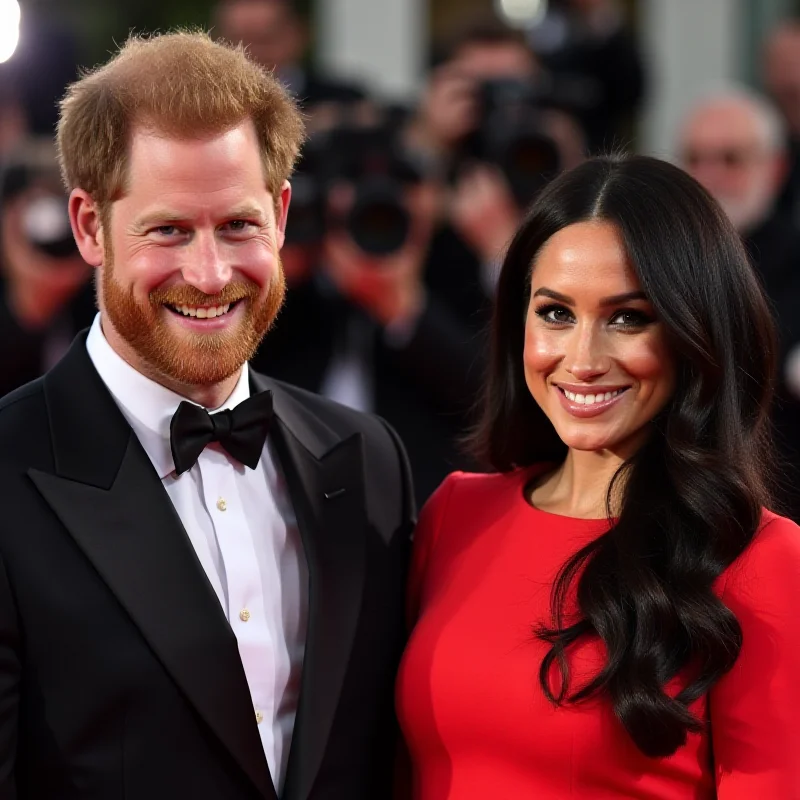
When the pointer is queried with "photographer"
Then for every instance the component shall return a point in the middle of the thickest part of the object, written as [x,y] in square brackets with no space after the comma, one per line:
[45,293]
[361,325]
[487,126]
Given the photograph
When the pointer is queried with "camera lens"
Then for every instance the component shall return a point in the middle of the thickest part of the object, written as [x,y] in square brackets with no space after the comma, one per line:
[378,221]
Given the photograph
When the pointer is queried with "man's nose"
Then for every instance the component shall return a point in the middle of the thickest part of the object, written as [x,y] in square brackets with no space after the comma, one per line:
[207,269]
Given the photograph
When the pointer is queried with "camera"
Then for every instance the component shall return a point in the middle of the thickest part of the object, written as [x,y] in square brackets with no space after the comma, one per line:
[32,175]
[512,136]
[370,163]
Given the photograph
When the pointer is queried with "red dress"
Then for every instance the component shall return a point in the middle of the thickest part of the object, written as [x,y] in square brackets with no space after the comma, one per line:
[476,722]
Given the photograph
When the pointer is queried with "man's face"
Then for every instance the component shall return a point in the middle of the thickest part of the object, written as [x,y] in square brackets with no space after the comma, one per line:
[191,279]
[724,149]
[272,36]
[486,62]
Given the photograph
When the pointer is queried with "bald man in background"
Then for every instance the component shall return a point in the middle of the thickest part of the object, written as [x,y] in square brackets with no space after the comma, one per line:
[734,143]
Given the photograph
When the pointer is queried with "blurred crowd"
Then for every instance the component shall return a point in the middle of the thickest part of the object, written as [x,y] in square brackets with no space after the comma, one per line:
[400,215]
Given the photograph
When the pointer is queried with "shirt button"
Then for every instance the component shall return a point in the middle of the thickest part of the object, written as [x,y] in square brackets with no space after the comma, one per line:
[222,505]
[259,717]
[244,615]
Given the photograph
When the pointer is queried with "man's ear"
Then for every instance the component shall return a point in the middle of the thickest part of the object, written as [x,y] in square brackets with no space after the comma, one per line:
[84,217]
[282,211]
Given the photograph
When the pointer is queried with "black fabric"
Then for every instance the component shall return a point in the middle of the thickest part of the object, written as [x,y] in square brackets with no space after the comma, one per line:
[774,247]
[242,431]
[788,203]
[119,673]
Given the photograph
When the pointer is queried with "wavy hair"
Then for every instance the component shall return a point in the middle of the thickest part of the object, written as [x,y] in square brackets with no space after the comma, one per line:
[692,496]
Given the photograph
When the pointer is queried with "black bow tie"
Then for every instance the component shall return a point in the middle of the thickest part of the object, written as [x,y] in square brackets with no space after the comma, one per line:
[242,431]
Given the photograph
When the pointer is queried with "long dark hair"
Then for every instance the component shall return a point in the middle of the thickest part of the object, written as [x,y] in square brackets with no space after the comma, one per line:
[692,496]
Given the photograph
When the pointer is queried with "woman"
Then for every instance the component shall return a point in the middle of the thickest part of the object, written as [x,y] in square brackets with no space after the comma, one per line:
[613,614]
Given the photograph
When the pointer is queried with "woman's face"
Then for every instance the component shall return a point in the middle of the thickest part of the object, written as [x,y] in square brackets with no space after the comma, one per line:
[596,358]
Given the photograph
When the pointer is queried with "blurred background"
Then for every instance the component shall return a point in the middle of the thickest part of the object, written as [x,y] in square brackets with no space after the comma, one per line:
[432,125]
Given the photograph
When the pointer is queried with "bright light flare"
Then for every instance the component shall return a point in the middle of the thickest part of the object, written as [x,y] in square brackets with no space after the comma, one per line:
[522,13]
[9,28]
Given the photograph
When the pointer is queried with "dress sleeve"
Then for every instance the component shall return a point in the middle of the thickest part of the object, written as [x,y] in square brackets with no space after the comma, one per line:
[425,535]
[755,708]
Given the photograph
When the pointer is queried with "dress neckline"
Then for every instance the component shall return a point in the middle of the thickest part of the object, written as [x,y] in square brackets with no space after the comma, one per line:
[527,476]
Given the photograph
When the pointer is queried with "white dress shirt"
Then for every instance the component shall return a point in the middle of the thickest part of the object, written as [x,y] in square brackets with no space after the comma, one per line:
[242,526]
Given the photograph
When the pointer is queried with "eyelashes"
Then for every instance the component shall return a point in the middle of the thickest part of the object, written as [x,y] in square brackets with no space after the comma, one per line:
[623,318]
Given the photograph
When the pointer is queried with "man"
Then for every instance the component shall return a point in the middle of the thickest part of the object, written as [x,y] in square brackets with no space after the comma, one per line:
[484,210]
[733,143]
[192,605]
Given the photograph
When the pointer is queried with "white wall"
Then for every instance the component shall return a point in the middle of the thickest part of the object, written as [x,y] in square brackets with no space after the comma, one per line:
[381,43]
[690,45]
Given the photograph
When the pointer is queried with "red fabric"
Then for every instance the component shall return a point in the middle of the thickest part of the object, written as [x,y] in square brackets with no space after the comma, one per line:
[476,722]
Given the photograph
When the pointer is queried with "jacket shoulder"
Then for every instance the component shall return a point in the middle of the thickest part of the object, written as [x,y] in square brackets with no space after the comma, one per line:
[343,420]
[24,427]
[387,475]
[23,408]
[23,393]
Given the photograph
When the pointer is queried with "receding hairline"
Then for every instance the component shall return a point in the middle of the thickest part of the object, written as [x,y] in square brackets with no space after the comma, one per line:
[150,127]
[769,125]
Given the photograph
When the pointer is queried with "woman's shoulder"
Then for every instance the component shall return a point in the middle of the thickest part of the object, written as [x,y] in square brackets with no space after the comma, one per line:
[466,498]
[770,563]
[777,538]
[476,488]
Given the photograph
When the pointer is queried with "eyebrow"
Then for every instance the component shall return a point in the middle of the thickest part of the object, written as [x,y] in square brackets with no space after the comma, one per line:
[167,216]
[613,300]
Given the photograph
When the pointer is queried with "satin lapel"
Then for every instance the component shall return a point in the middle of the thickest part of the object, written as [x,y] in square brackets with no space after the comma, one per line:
[325,476]
[111,501]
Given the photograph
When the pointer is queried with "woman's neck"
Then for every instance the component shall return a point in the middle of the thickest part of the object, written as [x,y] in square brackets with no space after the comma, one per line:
[579,486]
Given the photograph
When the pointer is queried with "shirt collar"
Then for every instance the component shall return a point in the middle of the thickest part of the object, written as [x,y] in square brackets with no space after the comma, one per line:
[146,405]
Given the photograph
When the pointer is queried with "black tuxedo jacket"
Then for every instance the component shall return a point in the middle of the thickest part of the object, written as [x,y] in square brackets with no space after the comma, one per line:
[120,677]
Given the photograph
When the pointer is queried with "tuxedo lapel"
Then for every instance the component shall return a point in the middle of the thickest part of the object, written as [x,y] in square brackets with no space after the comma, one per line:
[325,476]
[110,499]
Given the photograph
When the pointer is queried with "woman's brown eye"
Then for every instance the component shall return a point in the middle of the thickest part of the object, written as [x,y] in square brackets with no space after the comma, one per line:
[555,314]
[631,319]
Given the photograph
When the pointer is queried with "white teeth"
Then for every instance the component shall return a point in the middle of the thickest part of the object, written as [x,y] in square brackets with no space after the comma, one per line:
[203,313]
[591,399]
